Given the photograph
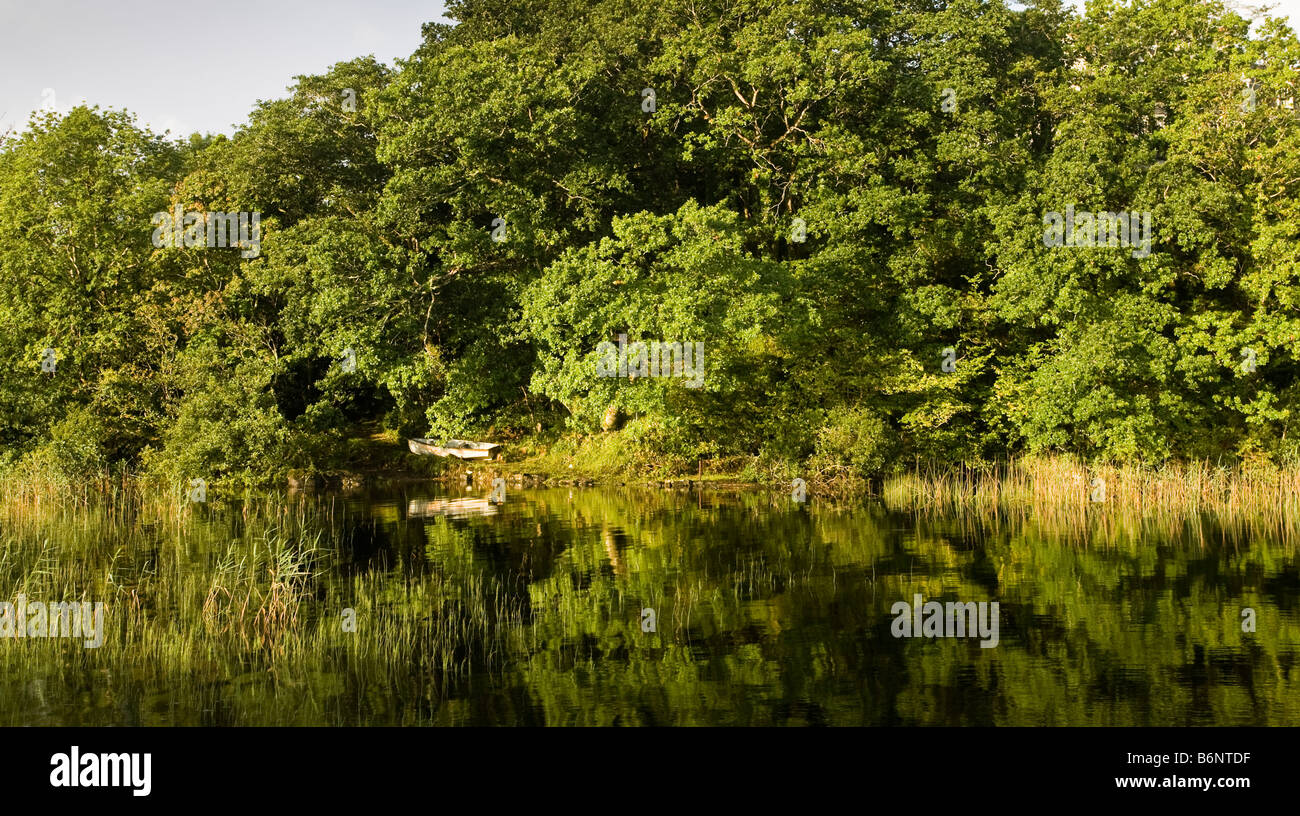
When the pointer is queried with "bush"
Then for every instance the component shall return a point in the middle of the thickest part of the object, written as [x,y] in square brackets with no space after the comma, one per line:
[74,452]
[855,441]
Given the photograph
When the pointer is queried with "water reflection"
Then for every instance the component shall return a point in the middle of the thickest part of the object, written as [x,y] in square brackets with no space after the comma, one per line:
[768,612]
[452,508]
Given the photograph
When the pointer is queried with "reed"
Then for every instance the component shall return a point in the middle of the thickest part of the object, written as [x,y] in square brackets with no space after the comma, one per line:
[248,591]
[1255,495]
[238,611]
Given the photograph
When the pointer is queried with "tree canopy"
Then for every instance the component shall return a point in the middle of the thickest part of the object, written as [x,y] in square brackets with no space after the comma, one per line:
[843,202]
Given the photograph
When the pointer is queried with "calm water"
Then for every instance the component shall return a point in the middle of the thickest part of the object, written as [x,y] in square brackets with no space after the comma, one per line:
[766,613]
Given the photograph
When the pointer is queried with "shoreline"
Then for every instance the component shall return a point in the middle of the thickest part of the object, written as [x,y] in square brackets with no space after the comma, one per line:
[1057,480]
[1051,482]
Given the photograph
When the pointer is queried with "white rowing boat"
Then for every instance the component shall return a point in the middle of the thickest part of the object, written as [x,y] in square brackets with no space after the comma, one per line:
[459,448]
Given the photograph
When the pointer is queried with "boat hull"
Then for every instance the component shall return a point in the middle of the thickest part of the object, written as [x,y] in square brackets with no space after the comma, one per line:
[459,448]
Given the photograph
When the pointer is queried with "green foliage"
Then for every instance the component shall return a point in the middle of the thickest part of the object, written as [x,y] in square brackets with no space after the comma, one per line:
[920,143]
[856,439]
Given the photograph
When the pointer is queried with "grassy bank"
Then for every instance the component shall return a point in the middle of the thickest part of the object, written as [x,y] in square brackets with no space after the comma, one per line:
[1060,484]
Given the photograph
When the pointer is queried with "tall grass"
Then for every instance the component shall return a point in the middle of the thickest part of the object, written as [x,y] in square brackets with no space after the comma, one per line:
[1258,496]
[239,611]
[249,592]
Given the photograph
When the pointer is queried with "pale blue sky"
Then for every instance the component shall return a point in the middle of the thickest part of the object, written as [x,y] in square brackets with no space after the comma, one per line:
[187,66]
[199,66]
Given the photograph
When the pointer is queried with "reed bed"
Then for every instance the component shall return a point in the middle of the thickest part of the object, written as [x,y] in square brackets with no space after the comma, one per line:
[1255,497]
[246,592]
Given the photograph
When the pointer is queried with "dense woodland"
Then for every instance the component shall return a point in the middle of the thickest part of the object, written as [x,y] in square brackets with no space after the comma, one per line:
[920,143]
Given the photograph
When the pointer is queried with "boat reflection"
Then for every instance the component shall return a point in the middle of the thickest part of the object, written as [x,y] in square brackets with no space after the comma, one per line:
[454,508]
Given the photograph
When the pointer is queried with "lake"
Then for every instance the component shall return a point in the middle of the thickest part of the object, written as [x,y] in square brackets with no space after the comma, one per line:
[422,605]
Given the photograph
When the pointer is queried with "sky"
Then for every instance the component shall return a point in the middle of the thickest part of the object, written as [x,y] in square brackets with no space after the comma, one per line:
[187,66]
[201,66]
